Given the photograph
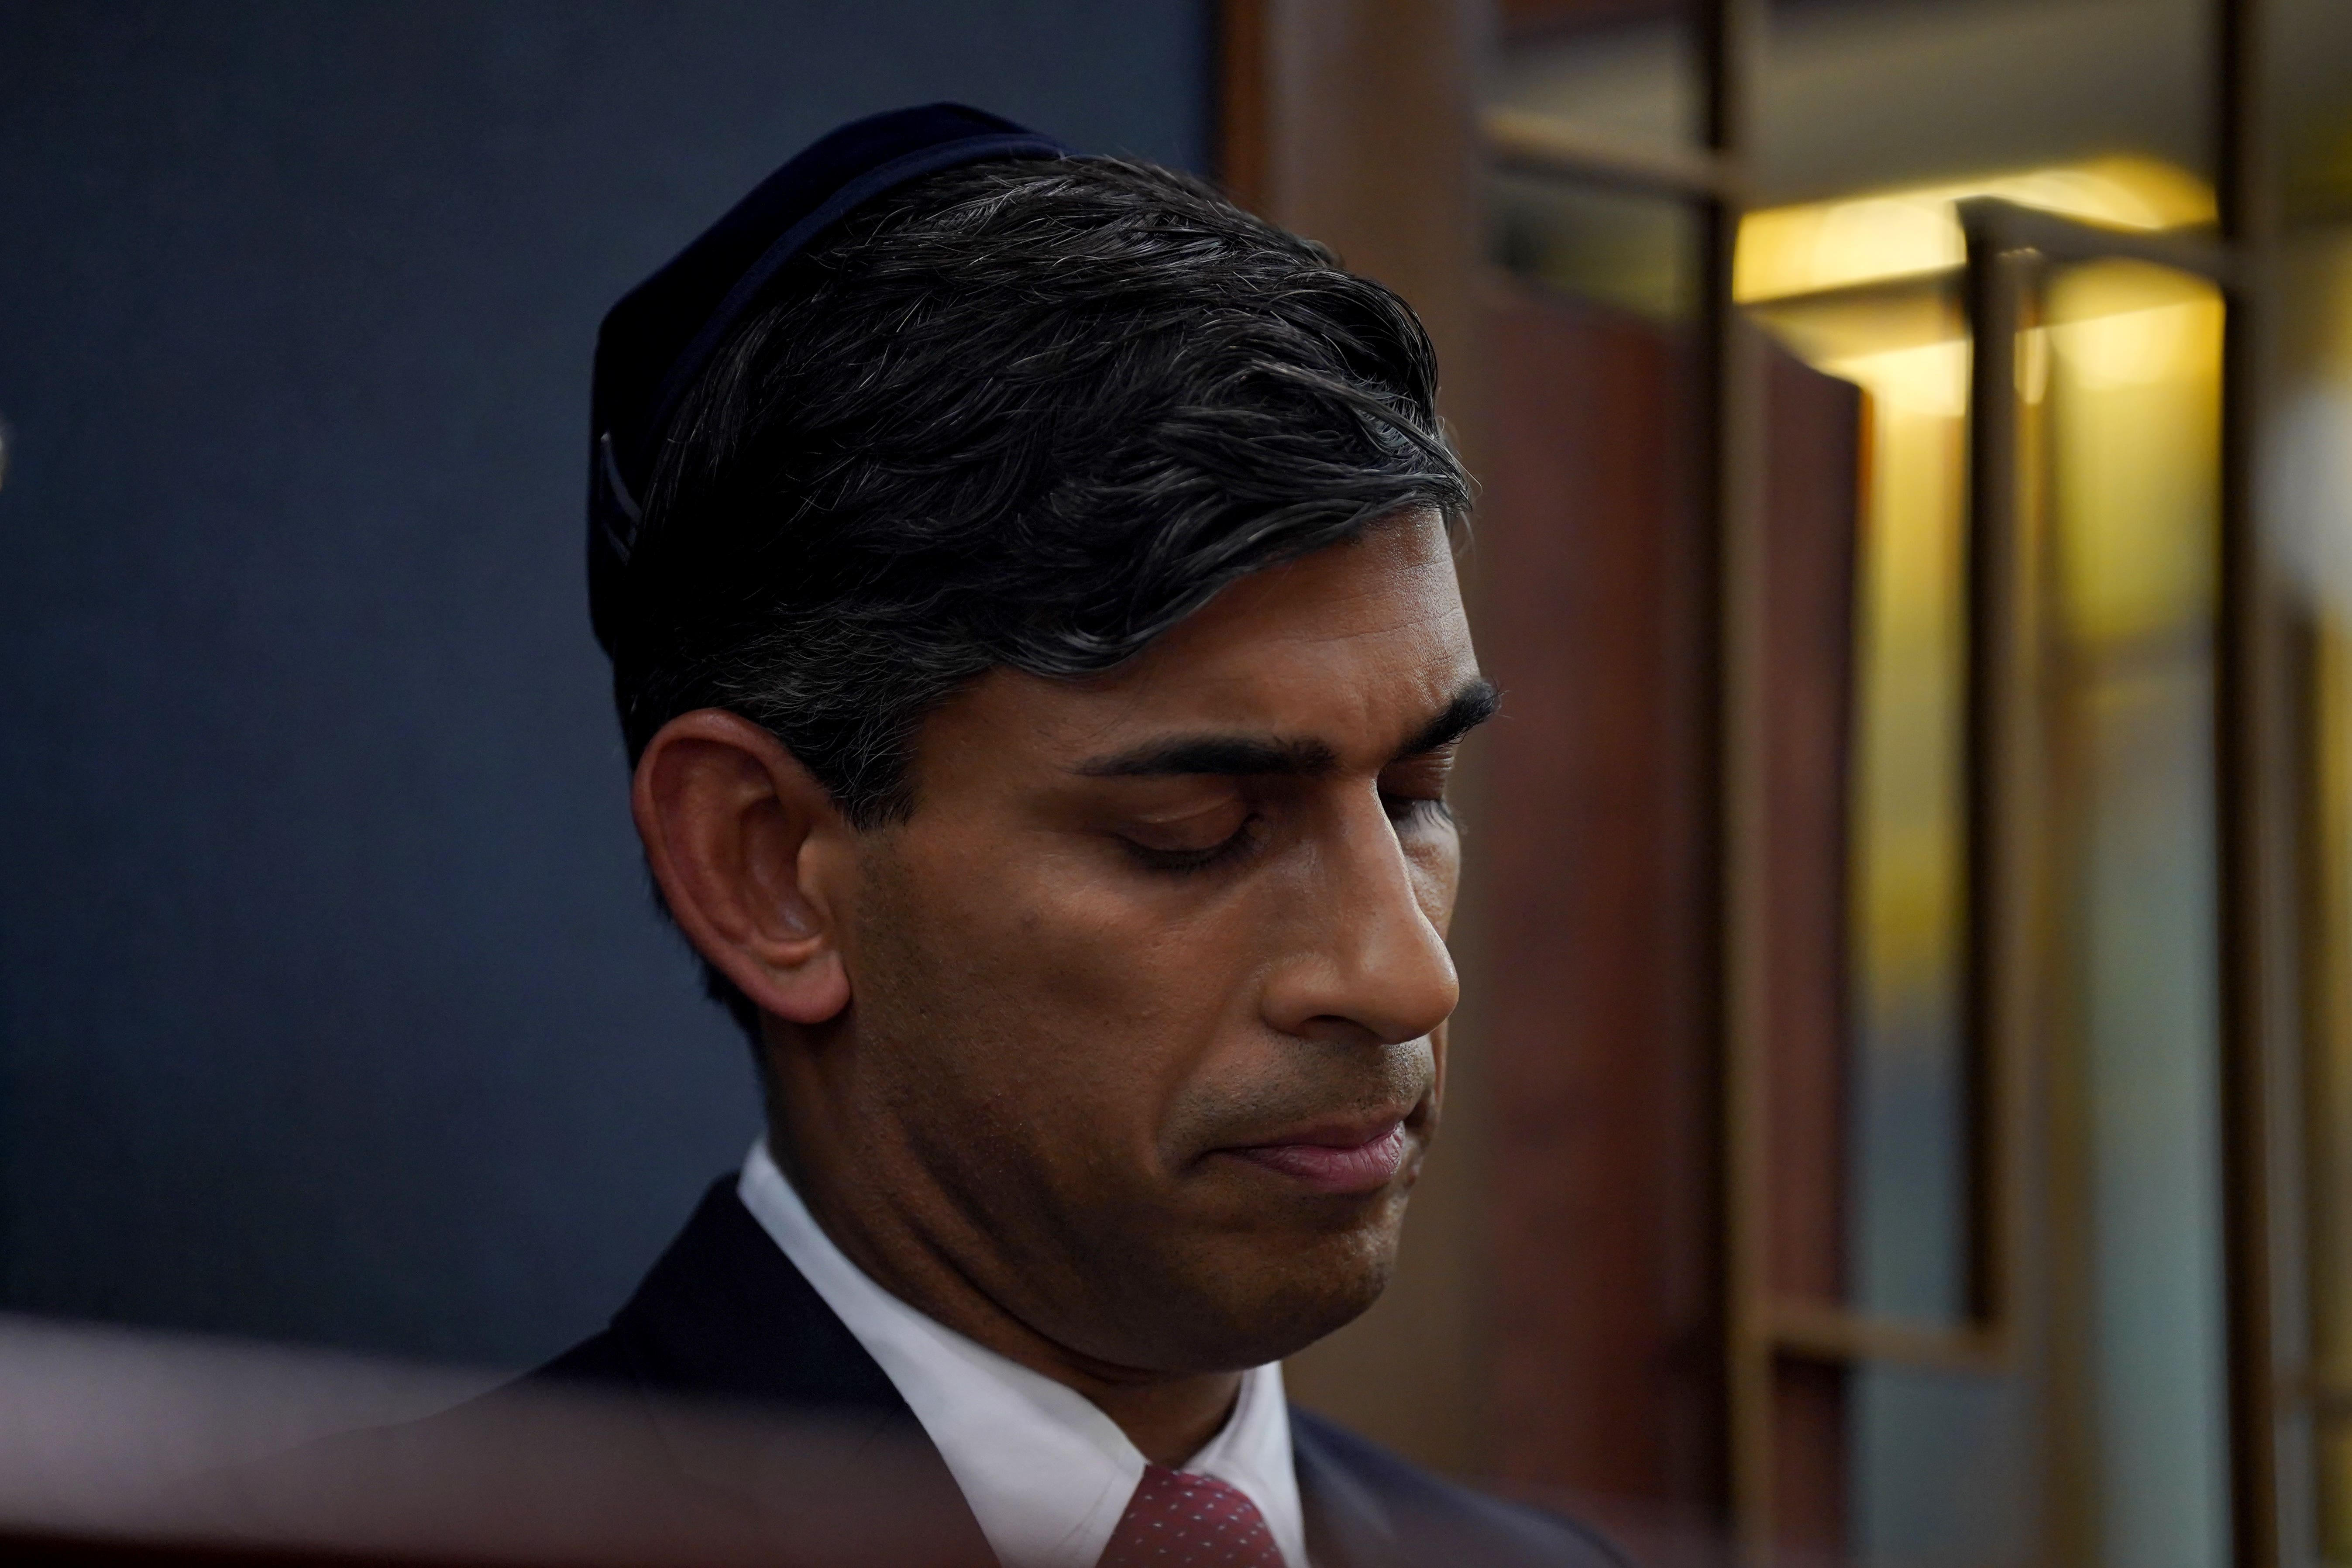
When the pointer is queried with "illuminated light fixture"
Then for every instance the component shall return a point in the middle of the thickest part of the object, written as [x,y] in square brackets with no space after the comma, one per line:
[1822,245]
[1931,379]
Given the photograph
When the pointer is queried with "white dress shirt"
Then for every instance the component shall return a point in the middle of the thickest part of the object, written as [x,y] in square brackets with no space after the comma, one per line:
[1046,1473]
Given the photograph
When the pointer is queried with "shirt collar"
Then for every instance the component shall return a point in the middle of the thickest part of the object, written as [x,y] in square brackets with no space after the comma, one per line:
[1046,1472]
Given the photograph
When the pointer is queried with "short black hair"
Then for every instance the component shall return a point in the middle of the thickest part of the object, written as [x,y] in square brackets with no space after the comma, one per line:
[1028,414]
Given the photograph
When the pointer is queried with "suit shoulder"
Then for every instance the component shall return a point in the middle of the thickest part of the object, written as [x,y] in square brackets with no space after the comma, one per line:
[1434,1519]
[596,1362]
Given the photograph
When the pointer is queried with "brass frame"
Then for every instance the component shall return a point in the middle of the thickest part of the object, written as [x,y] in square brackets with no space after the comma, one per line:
[2260,803]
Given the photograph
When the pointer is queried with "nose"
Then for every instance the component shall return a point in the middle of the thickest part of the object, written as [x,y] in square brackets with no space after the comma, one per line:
[1365,962]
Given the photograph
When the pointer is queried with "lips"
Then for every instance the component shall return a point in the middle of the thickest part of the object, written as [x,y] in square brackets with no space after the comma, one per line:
[1337,1162]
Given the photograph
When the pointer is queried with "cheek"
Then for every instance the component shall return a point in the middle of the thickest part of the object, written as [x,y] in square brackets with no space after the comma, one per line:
[1094,999]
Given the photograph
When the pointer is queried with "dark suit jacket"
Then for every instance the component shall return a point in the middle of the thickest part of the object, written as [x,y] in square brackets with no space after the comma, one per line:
[724,1316]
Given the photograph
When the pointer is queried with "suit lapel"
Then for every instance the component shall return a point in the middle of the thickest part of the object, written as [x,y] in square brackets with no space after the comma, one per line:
[1346,1526]
[725,1315]
[724,1318]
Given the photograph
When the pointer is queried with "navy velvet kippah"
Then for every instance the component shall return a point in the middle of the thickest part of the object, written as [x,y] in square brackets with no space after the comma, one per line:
[658,339]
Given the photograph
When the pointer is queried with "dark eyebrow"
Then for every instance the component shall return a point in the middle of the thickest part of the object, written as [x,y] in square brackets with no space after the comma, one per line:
[1472,706]
[1247,755]
[1228,754]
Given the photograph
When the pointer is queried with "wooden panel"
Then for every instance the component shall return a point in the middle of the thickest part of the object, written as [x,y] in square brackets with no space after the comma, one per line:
[1244,112]
[1368,143]
[1812,468]
[1591,855]
[1812,478]
[1810,1460]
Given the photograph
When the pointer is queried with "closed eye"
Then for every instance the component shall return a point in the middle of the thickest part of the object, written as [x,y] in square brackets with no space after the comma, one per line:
[1181,860]
[1412,789]
[1408,810]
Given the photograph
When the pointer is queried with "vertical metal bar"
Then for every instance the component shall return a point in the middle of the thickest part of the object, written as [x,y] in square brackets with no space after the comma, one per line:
[2307,1199]
[1992,772]
[1733,31]
[2253,806]
[2005,760]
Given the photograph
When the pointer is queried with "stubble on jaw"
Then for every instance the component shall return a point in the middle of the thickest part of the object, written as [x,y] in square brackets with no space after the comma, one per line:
[1096,1249]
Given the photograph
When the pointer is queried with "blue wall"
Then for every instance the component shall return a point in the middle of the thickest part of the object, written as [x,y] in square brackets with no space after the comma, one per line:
[332,1004]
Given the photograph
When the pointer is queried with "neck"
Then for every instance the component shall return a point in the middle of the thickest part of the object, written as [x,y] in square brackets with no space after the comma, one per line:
[1169,1416]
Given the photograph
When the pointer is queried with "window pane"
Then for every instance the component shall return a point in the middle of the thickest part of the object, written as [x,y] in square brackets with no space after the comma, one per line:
[2131,428]
[1944,1469]
[1859,94]
[1637,253]
[1905,346]
[1621,73]
[2307,491]
[2121,383]
[2310,60]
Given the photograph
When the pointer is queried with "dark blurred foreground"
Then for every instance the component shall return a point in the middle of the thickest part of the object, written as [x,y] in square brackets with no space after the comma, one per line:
[118,1447]
[115,1447]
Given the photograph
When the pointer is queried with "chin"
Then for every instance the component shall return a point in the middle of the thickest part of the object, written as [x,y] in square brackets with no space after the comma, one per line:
[1334,1301]
[1284,1294]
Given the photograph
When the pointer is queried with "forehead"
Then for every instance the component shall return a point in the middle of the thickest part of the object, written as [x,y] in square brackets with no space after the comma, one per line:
[1357,645]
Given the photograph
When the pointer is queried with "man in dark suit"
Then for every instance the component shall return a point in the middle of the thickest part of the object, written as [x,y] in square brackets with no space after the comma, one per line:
[1029,591]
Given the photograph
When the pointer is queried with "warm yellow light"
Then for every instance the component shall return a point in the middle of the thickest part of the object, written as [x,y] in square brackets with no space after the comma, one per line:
[1931,379]
[1907,826]
[2137,346]
[1804,249]
[2136,410]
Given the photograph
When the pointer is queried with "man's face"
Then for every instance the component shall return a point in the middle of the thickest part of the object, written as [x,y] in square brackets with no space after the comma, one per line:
[1144,1033]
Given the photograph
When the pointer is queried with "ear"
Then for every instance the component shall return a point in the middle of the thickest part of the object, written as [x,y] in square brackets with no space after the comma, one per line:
[753,856]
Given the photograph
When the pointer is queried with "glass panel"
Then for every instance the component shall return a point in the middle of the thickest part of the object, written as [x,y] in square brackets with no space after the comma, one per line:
[2327,1086]
[2130,421]
[2307,490]
[1905,346]
[2122,381]
[1612,73]
[2306,504]
[2310,60]
[2334,1434]
[1943,1474]
[1635,252]
[1859,94]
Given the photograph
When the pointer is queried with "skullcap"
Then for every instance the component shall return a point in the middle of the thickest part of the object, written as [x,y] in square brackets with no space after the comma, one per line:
[658,340]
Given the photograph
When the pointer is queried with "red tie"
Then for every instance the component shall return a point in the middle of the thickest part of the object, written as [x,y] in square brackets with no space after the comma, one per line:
[1177,1520]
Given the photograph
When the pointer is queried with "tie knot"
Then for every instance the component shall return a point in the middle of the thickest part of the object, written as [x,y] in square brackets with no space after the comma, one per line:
[1179,1519]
